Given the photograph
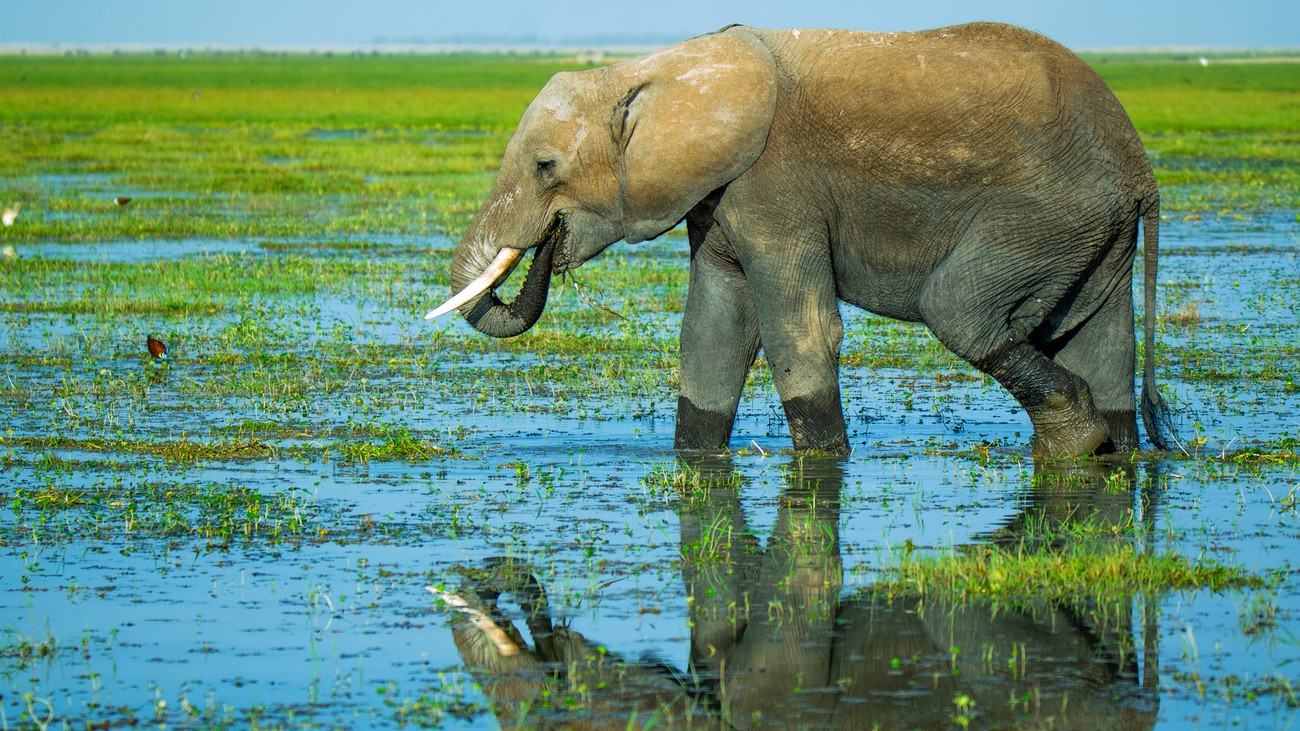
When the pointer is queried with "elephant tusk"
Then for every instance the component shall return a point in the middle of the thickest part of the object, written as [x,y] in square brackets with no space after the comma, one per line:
[503,264]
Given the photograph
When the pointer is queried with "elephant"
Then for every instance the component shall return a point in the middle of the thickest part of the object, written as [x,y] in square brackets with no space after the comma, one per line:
[980,179]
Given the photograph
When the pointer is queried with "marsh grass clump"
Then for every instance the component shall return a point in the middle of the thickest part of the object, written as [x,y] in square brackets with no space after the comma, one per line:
[1259,614]
[1187,315]
[114,509]
[1278,451]
[52,497]
[175,450]
[396,444]
[687,486]
[21,652]
[1074,572]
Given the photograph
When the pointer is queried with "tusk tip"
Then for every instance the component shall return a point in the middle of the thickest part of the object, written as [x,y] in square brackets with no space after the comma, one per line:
[502,264]
[443,308]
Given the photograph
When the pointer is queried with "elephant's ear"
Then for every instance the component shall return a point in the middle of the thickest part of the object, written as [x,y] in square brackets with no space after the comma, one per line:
[693,117]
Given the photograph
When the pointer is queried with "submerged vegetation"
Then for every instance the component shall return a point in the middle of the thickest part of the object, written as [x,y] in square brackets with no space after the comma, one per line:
[311,454]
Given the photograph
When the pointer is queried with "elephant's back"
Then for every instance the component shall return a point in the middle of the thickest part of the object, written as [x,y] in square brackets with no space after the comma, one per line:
[968,105]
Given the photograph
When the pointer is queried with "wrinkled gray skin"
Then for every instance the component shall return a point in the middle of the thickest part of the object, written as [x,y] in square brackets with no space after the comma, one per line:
[980,179]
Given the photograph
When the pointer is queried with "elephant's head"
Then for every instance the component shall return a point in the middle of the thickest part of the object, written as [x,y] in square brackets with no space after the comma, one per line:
[621,152]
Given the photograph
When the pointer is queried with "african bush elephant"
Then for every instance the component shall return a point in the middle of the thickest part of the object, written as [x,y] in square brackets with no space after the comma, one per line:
[980,179]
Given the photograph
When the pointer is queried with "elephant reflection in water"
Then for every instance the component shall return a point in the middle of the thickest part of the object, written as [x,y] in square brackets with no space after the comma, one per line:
[774,644]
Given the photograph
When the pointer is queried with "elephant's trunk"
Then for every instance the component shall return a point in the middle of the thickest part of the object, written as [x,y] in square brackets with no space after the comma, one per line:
[485,311]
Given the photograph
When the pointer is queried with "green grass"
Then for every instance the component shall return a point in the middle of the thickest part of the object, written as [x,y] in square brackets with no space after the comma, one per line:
[142,505]
[302,146]
[1076,572]
[355,175]
[1222,135]
[239,70]
[357,221]
[434,91]
[1162,94]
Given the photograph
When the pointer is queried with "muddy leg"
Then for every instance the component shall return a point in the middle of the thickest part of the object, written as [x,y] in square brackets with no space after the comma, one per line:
[719,340]
[799,321]
[1102,353]
[1066,424]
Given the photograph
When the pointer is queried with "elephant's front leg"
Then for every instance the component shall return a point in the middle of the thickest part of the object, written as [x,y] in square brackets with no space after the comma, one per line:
[799,322]
[719,339]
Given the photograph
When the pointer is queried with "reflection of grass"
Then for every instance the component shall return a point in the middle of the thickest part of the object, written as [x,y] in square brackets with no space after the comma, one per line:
[20,652]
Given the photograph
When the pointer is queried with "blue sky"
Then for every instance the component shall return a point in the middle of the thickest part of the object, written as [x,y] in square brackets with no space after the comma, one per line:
[1076,23]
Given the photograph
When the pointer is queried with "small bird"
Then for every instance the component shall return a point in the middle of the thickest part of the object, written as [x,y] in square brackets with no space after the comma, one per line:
[10,214]
[9,253]
[157,348]
[121,200]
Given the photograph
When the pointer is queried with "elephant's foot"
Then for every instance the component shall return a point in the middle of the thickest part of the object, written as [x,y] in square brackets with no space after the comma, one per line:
[1122,428]
[1069,427]
[817,423]
[1066,423]
[699,429]
[1067,443]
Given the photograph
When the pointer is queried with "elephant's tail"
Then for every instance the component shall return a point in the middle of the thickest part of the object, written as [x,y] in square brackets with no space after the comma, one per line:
[1155,414]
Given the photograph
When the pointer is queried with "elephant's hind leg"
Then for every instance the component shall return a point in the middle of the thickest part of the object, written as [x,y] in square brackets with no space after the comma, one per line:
[719,340]
[986,313]
[1102,352]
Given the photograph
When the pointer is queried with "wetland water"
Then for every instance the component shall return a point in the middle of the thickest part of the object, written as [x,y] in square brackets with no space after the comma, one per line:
[248,535]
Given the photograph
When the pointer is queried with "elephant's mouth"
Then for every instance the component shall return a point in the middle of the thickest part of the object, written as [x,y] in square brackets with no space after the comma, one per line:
[549,257]
[478,300]
[555,237]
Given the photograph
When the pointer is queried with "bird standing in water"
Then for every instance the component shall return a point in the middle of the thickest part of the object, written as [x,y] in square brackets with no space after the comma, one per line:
[157,348]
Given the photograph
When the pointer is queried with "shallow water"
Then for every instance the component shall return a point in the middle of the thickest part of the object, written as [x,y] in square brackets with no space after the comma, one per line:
[591,592]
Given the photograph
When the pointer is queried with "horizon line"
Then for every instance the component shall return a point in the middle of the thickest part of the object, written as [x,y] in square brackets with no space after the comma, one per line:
[501,45]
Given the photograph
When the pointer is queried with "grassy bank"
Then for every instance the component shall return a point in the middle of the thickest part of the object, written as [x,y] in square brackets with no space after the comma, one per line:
[298,146]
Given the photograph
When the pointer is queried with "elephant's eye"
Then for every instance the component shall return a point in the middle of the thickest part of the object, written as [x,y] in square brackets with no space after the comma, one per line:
[545,168]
